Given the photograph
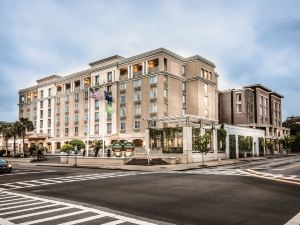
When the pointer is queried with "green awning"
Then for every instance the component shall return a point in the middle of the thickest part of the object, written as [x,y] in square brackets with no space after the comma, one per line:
[117,145]
[128,145]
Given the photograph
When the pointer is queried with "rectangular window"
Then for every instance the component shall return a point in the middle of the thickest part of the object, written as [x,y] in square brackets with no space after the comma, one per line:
[86,117]
[41,113]
[96,116]
[41,104]
[183,99]
[49,91]
[137,124]
[206,101]
[76,106]
[109,127]
[165,108]
[49,102]
[76,96]
[183,69]
[66,119]
[153,108]
[86,104]
[86,128]
[49,122]
[123,112]
[202,73]
[49,132]
[206,113]
[261,110]
[76,130]
[67,98]
[205,74]
[57,100]
[153,93]
[109,77]
[122,86]
[153,79]
[123,126]
[58,110]
[96,128]
[165,93]
[49,112]
[42,94]
[137,83]
[41,123]
[97,80]
[66,130]
[205,88]
[67,108]
[137,110]
[97,104]
[57,131]
[238,97]
[76,118]
[57,119]
[261,99]
[137,96]
[86,94]
[184,86]
[238,108]
[122,99]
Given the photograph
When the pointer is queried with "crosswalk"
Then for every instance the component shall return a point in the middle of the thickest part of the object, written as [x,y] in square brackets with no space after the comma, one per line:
[23,209]
[59,180]
[25,171]
[293,179]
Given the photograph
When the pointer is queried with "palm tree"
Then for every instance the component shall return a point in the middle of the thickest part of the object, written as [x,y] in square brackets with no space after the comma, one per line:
[25,126]
[16,132]
[6,132]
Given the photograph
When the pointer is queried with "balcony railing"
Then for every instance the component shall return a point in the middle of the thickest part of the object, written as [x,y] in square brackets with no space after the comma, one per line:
[138,73]
[122,117]
[153,69]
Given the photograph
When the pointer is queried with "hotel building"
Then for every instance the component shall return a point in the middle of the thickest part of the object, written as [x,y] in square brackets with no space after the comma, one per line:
[254,106]
[155,84]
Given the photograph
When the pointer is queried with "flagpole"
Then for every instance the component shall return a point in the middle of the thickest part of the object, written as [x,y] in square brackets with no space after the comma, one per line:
[88,130]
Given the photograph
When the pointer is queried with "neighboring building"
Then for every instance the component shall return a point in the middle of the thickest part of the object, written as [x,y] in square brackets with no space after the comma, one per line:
[155,84]
[293,119]
[254,106]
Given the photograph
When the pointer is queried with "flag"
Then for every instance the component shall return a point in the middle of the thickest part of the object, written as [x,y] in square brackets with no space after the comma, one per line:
[107,96]
[109,108]
[94,93]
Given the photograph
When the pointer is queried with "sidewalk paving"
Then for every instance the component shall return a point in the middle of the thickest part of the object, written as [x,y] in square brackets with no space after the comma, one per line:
[153,168]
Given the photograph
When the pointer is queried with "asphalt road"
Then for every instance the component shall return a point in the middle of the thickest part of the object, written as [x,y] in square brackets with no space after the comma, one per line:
[231,194]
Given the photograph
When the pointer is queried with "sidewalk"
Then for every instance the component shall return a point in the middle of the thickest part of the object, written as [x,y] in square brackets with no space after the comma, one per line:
[154,168]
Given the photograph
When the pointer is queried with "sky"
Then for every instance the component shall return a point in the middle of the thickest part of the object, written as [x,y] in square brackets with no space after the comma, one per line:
[250,42]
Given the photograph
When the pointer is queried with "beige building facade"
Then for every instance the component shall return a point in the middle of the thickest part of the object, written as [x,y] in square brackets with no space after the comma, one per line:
[144,87]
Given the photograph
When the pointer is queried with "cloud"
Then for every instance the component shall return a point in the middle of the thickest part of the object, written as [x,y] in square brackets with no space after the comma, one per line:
[249,41]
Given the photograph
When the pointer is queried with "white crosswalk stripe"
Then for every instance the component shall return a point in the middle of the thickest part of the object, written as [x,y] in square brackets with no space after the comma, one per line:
[58,180]
[23,172]
[61,213]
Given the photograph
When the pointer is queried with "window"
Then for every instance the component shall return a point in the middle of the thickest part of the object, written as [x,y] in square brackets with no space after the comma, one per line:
[86,104]
[205,74]
[66,130]
[86,129]
[86,94]
[66,119]
[183,69]
[41,113]
[183,111]
[137,83]
[153,108]
[58,110]
[152,124]
[122,99]
[123,112]
[137,110]
[76,118]
[165,108]
[96,128]
[96,116]
[49,122]
[41,104]
[66,108]
[57,119]
[67,98]
[153,93]
[210,76]
[49,132]
[49,112]
[86,117]
[49,91]
[97,80]
[137,124]
[238,97]
[153,79]
[41,124]
[57,100]
[76,96]
[76,130]
[206,113]
[184,86]
[202,73]
[205,88]
[206,101]
[109,77]
[183,99]
[76,106]
[265,102]
[261,110]
[123,126]
[57,131]
[97,104]
[122,86]
[42,94]
[137,96]
[261,99]
[165,93]
[109,127]
[238,102]
[49,102]
[238,108]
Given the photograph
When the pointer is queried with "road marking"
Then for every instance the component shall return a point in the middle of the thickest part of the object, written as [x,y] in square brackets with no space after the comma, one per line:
[83,220]
[22,173]
[57,180]
[30,218]
[294,221]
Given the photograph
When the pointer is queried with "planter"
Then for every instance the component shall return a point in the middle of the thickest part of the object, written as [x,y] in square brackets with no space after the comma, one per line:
[128,153]
[118,153]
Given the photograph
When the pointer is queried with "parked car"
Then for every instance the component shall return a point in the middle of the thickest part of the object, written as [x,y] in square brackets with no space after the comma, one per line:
[5,166]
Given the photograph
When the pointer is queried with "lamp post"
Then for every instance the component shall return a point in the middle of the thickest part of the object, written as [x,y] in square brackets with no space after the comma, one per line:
[75,151]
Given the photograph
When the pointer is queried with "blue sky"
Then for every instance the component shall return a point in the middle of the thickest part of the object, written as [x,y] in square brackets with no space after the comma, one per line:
[250,41]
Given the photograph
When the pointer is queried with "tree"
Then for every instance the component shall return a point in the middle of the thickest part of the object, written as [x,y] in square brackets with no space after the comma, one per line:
[296,143]
[25,126]
[97,144]
[6,132]
[201,144]
[269,145]
[244,145]
[79,143]
[287,142]
[16,132]
[221,133]
[67,148]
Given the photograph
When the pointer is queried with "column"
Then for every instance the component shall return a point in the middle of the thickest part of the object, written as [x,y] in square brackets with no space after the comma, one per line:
[227,145]
[188,143]
[237,146]
[147,139]
[214,143]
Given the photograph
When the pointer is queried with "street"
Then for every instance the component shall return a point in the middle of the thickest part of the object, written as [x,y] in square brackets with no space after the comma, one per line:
[265,192]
